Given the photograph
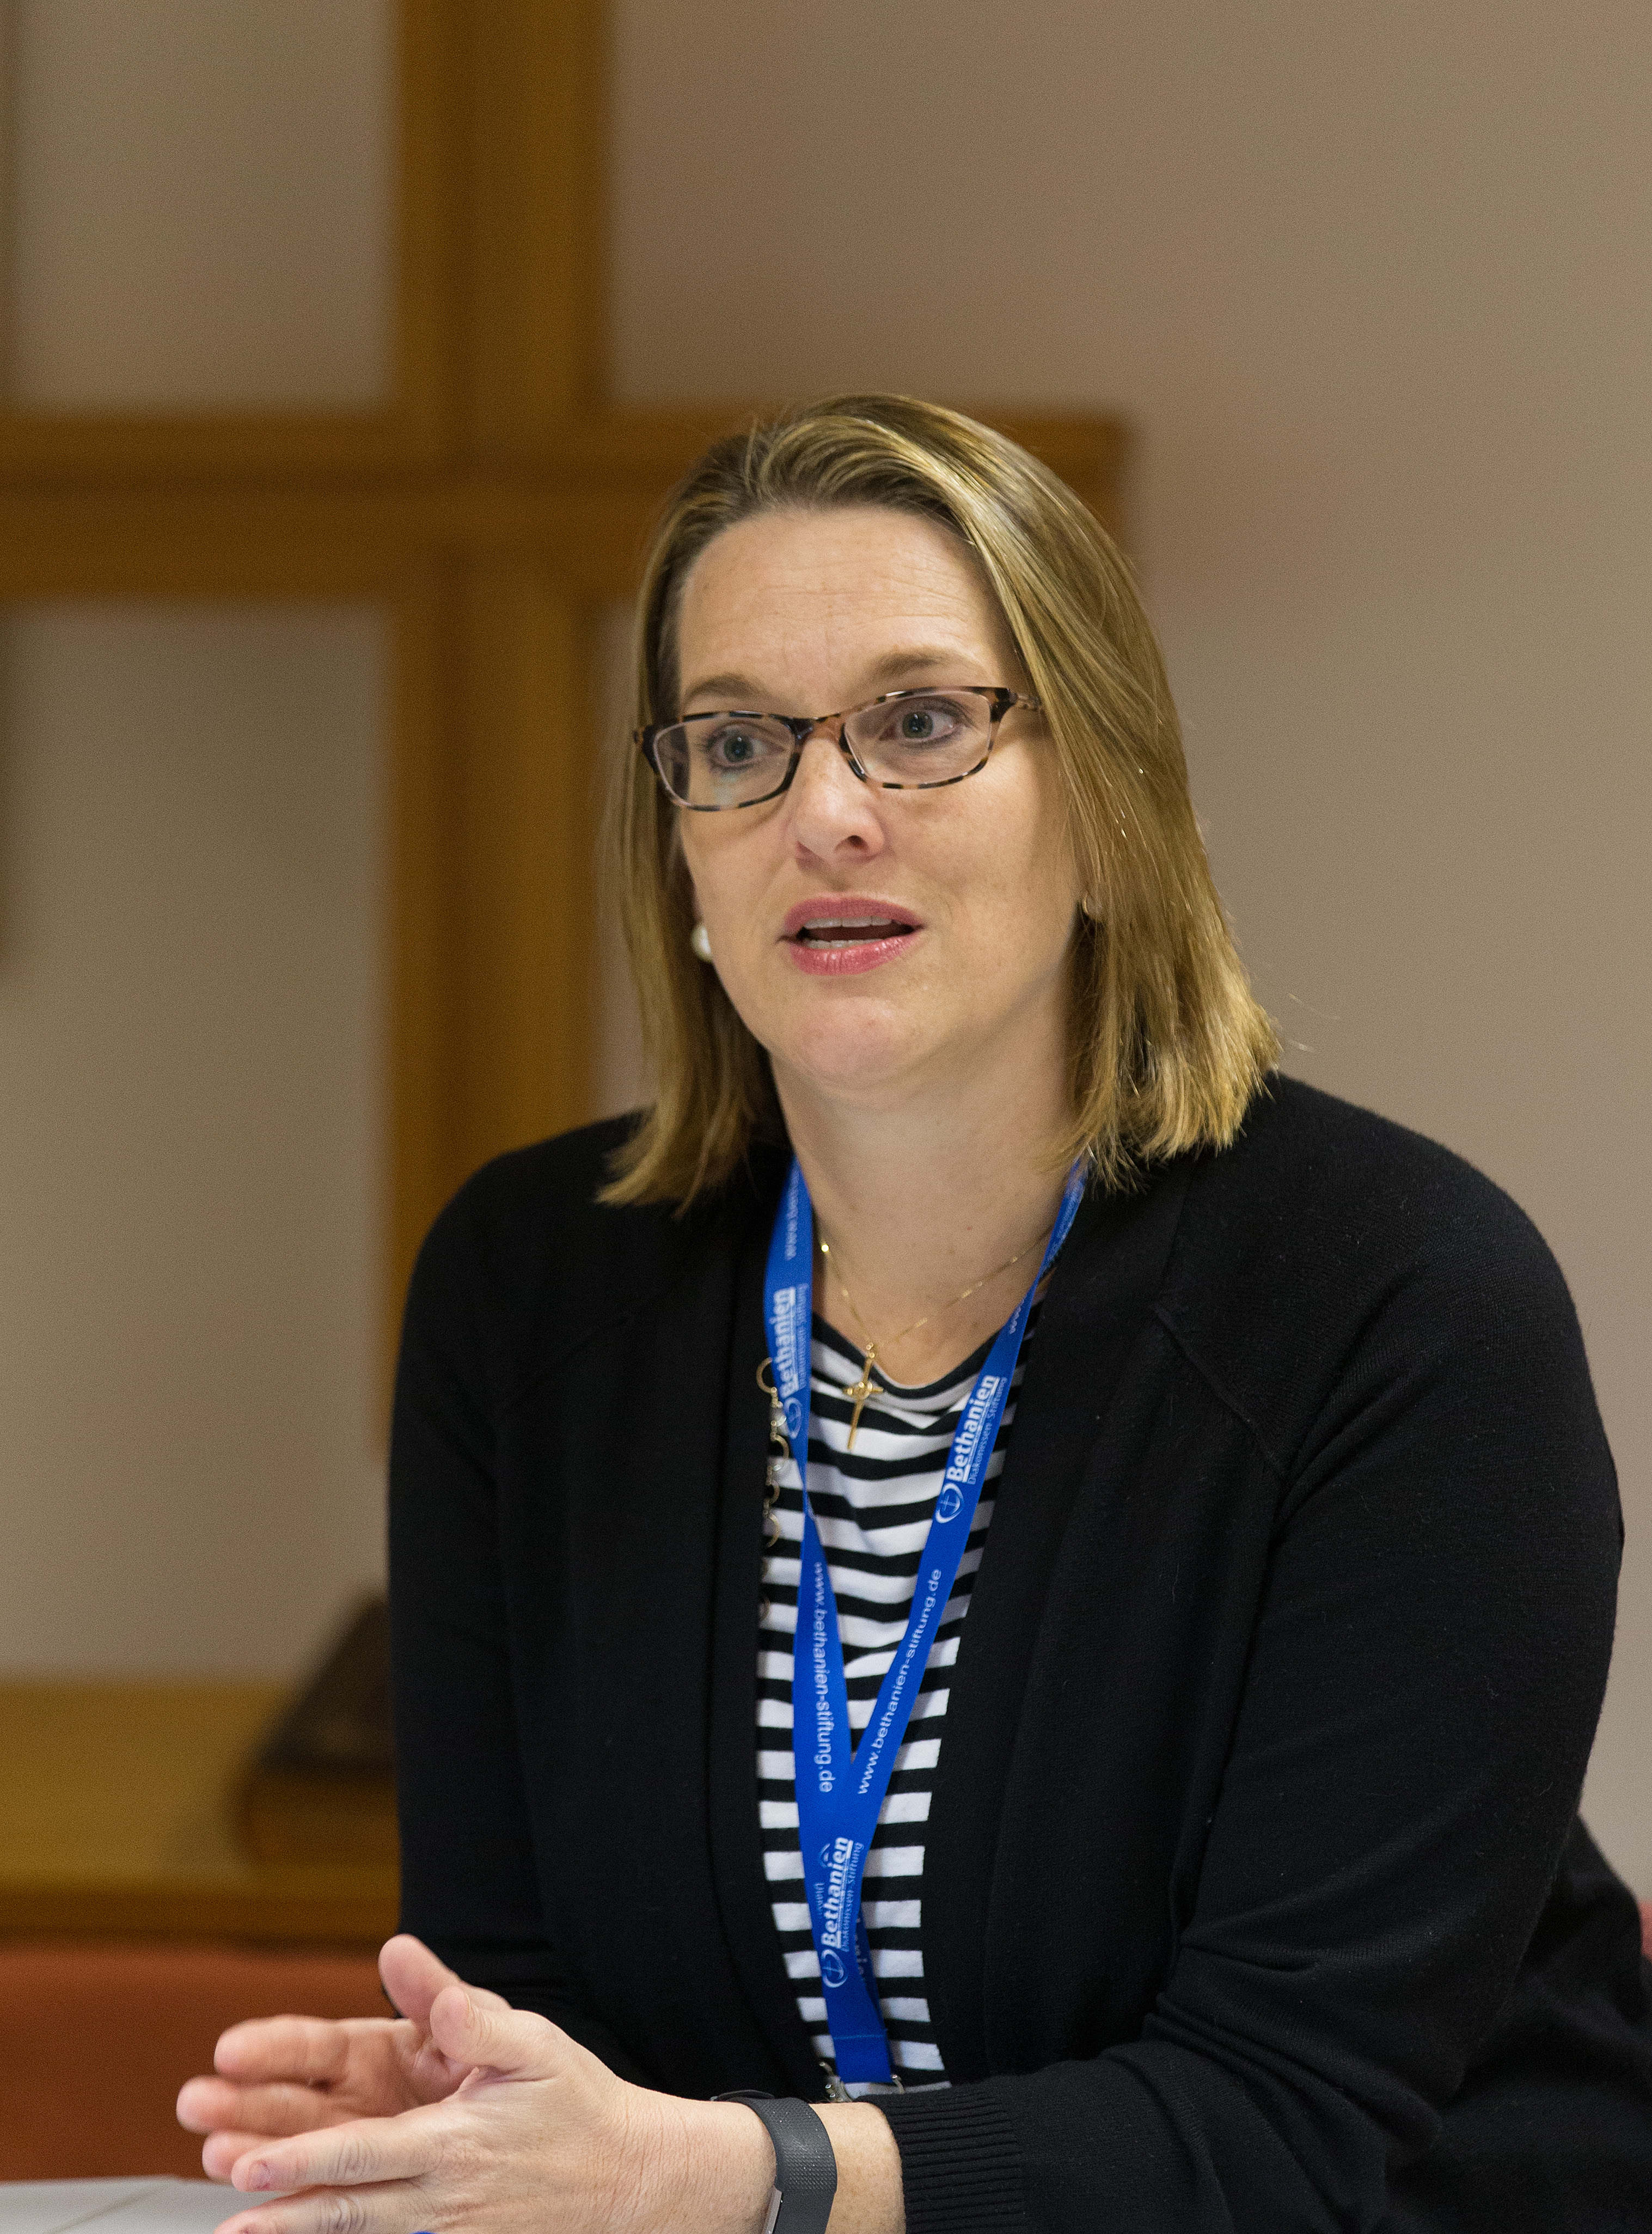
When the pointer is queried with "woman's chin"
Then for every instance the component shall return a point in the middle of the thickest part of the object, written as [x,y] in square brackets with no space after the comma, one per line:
[871,1062]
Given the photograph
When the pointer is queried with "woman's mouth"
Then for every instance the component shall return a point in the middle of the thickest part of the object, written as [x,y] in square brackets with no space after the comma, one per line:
[844,935]
[855,931]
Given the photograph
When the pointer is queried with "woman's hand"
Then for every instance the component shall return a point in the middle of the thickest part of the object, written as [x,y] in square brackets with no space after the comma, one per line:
[282,2075]
[466,2114]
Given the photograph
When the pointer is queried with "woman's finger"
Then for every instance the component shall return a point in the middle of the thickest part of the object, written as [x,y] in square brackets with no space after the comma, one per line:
[394,2208]
[205,2105]
[359,2154]
[314,2051]
[222,2151]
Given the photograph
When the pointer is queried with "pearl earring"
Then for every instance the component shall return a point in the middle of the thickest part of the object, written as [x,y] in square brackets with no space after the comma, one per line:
[700,940]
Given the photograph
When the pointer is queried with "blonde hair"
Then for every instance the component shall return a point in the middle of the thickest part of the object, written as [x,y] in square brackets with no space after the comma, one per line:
[1166,1045]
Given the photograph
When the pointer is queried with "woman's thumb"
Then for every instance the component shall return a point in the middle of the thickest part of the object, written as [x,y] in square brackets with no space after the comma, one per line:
[496,2038]
[412,1975]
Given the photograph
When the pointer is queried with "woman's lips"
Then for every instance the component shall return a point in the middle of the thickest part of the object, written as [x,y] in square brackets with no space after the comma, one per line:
[847,957]
[842,938]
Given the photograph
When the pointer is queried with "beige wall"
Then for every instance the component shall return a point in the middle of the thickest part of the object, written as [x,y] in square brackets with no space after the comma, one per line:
[1370,284]
[197,202]
[191,1472]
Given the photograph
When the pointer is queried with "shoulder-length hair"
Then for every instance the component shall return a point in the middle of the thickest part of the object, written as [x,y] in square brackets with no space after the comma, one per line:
[1166,1044]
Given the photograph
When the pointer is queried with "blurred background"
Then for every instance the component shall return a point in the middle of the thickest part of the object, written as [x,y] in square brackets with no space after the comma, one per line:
[347,346]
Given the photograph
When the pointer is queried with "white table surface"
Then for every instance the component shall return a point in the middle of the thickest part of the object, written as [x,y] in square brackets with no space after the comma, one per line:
[115,2206]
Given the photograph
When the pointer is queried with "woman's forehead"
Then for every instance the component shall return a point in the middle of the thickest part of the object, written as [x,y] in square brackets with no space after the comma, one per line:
[886,589]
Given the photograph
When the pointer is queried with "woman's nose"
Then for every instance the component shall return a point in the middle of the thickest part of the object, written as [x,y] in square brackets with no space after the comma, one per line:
[830,805]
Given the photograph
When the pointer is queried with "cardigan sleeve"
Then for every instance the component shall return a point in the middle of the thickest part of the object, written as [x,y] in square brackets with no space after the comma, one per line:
[1420,1694]
[469,1884]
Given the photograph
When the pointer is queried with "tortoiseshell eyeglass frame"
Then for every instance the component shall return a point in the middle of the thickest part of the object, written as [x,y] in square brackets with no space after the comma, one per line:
[1000,698]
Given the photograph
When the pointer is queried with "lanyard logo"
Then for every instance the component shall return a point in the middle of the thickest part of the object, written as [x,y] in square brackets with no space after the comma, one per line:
[789,1347]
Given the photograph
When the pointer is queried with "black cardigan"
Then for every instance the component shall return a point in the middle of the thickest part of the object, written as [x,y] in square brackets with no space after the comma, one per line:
[1255,1895]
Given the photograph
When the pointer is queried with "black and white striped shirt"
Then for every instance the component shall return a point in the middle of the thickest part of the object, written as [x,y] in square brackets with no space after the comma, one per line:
[872,1507]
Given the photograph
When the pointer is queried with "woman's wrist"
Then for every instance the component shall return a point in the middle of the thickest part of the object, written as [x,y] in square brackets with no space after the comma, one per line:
[733,2175]
[869,2198]
[734,2169]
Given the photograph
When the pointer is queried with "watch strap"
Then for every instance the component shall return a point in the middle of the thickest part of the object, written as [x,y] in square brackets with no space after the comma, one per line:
[806,2169]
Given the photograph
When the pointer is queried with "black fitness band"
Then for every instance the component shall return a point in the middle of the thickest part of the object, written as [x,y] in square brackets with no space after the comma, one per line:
[806,2170]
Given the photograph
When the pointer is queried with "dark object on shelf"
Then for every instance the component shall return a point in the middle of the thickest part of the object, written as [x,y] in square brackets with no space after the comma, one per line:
[321,1787]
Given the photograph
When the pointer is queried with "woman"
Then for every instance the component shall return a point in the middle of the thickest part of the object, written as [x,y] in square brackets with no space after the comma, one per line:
[1210,1543]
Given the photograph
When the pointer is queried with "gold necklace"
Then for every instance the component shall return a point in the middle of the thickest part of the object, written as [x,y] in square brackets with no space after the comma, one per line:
[861,1389]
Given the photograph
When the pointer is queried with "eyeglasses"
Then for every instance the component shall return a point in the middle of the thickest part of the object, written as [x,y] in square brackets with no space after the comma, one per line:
[905,741]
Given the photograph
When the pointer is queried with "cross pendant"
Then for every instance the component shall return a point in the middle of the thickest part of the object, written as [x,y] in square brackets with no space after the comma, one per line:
[859,1390]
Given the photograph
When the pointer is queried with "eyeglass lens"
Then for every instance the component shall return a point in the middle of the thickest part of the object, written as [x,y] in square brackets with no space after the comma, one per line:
[920,737]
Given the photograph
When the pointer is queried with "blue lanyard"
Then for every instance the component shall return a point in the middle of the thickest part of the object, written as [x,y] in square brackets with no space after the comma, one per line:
[839,1788]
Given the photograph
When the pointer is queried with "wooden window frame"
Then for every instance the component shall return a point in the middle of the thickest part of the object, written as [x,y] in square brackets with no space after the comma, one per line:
[493,506]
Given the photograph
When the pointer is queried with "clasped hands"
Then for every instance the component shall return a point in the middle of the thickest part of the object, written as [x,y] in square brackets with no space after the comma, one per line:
[463,2113]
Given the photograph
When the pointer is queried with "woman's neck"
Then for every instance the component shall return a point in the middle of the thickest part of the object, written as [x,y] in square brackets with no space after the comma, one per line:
[923,1199]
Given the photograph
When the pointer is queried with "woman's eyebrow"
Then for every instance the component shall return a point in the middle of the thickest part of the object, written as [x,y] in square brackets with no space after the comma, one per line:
[739,690]
[730,687]
[919,659]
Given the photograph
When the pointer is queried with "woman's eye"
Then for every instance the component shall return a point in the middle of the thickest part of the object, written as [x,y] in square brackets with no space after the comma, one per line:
[930,722]
[736,748]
